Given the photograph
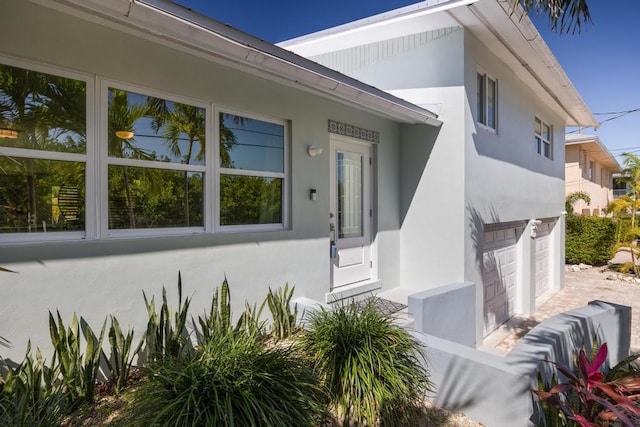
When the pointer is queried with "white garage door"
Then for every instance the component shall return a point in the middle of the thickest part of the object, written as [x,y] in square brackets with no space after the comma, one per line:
[543,258]
[499,275]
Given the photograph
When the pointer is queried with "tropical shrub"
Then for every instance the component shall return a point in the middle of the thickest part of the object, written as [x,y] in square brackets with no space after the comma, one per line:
[31,394]
[120,361]
[589,240]
[78,369]
[218,320]
[284,321]
[588,397]
[374,370]
[233,379]
[166,333]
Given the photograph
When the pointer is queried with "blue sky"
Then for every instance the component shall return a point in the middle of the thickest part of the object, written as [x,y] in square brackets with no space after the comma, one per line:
[603,61]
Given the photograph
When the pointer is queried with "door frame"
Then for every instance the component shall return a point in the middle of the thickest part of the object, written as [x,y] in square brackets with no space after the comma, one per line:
[336,143]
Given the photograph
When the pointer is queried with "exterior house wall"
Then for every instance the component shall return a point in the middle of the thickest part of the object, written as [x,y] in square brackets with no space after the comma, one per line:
[472,176]
[599,187]
[431,183]
[506,180]
[96,278]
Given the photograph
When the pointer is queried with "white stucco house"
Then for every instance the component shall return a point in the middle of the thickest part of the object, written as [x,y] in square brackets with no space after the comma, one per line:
[590,168]
[483,203]
[139,139]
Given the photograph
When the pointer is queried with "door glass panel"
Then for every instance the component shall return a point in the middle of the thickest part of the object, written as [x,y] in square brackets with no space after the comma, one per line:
[349,181]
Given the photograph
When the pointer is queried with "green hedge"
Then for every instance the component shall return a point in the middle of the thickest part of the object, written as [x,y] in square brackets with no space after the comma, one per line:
[590,240]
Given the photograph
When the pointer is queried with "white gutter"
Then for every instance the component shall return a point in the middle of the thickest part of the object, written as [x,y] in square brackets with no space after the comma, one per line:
[211,39]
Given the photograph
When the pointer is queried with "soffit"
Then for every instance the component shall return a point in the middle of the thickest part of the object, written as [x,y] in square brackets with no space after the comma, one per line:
[596,150]
[511,37]
[167,23]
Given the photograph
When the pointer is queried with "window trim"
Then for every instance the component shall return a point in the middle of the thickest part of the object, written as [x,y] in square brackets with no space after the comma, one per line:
[483,120]
[219,228]
[105,161]
[540,148]
[87,158]
[96,161]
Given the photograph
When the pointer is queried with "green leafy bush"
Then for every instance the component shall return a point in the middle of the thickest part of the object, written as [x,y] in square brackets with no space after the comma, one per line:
[31,393]
[234,379]
[121,359]
[374,370]
[166,333]
[218,320]
[589,397]
[284,321]
[78,370]
[589,240]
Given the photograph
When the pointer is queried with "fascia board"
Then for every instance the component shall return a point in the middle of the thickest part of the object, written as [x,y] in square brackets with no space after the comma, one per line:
[140,18]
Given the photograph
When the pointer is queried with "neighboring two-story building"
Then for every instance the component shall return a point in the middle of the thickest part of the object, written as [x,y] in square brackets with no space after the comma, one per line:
[589,168]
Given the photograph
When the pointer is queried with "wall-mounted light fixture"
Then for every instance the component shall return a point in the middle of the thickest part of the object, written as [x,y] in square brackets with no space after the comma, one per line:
[314,151]
[313,194]
[124,134]
[8,133]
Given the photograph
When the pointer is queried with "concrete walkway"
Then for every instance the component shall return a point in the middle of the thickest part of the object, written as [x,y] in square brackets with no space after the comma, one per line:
[581,287]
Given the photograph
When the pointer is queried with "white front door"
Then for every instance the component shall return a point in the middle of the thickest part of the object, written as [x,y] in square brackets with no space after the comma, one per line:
[350,212]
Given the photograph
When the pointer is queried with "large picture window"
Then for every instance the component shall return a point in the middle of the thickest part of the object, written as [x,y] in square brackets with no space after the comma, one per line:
[42,152]
[84,157]
[252,155]
[156,152]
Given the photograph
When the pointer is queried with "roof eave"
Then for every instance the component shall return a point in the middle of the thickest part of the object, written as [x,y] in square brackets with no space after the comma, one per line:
[528,55]
[182,28]
[607,158]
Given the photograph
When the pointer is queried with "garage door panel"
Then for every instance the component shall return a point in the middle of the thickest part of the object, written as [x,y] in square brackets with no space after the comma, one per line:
[499,276]
[542,249]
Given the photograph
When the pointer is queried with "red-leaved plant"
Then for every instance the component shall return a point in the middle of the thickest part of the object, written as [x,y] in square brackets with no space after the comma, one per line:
[591,398]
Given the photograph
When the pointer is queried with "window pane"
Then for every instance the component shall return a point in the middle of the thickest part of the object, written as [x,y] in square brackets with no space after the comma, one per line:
[149,128]
[251,144]
[349,170]
[41,195]
[538,127]
[480,110]
[154,198]
[546,132]
[538,145]
[547,150]
[42,112]
[250,200]
[491,103]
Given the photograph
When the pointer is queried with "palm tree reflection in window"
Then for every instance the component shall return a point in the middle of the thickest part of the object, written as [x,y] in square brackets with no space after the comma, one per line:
[47,114]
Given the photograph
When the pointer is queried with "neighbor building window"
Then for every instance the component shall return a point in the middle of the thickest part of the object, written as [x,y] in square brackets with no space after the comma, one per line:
[156,166]
[252,174]
[544,138]
[487,100]
[43,140]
